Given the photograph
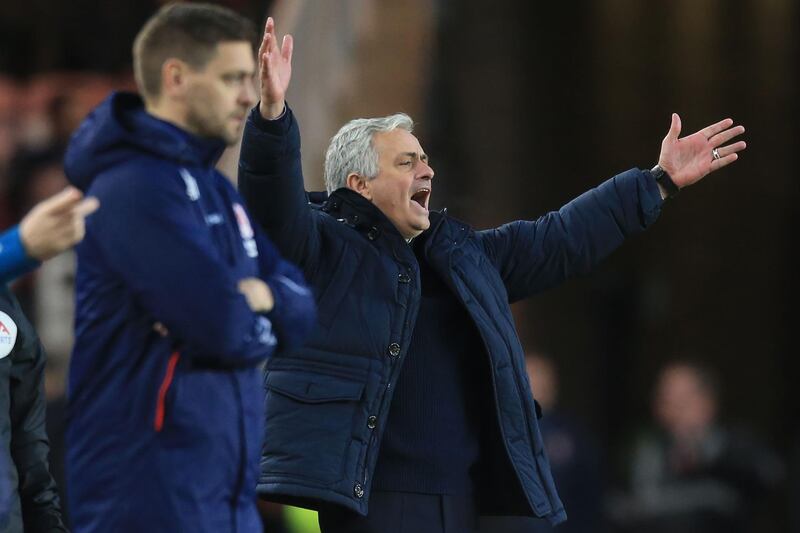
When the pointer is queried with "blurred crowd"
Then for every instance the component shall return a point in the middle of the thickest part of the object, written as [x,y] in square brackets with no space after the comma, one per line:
[689,470]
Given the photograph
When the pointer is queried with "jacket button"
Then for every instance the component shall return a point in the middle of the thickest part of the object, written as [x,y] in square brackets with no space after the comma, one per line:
[358,490]
[403,278]
[372,234]
[394,349]
[372,422]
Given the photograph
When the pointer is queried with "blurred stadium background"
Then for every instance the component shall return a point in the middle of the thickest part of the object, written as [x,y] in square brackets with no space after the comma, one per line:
[521,105]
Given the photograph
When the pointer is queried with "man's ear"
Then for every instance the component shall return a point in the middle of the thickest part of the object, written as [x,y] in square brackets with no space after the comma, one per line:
[359,184]
[174,77]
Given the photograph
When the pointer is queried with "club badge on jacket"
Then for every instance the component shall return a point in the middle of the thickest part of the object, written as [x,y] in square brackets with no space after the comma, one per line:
[245,230]
[8,334]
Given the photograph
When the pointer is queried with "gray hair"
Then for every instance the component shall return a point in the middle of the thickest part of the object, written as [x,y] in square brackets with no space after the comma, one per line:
[352,151]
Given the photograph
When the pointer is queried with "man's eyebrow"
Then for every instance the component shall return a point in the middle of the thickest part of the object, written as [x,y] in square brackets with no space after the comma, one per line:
[414,155]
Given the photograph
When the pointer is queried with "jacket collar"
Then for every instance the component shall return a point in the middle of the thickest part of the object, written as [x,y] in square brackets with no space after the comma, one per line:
[354,210]
[120,129]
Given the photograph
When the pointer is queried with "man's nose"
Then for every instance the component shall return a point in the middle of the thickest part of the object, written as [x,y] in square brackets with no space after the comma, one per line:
[425,171]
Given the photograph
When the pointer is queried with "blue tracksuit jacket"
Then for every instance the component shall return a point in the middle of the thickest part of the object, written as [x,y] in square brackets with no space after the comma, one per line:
[165,432]
[14,260]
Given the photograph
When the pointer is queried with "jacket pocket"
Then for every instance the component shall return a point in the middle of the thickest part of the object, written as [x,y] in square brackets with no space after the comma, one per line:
[309,425]
[313,388]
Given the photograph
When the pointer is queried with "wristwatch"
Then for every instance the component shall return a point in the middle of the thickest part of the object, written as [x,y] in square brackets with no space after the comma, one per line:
[664,179]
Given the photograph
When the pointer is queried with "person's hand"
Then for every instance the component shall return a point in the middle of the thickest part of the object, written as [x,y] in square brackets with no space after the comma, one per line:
[258,294]
[55,224]
[689,159]
[275,70]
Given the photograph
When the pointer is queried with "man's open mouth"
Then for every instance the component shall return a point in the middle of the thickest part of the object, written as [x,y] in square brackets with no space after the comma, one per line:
[421,197]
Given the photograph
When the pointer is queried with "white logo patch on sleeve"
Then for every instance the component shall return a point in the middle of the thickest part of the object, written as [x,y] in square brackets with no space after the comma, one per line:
[8,334]
[192,190]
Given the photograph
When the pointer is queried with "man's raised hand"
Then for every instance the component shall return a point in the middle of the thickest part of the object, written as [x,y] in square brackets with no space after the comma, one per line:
[275,70]
[689,159]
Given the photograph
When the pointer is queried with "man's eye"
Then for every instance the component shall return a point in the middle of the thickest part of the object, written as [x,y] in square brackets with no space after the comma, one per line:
[405,163]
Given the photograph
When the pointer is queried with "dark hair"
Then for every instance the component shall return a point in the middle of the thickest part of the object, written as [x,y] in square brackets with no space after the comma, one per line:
[189,32]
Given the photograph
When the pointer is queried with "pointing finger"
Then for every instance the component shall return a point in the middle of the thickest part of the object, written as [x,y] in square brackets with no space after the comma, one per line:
[62,201]
[86,207]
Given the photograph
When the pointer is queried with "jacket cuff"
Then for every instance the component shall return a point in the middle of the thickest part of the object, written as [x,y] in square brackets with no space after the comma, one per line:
[267,141]
[278,126]
[14,260]
[649,198]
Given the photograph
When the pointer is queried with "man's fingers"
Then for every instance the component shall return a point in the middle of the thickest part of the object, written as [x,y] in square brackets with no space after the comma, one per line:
[287,48]
[713,129]
[62,201]
[269,28]
[732,148]
[269,35]
[246,284]
[273,41]
[725,136]
[263,52]
[723,161]
[263,47]
[86,207]
[78,231]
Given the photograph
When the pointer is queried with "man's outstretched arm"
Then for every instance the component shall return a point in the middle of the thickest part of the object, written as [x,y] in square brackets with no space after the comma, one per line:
[532,256]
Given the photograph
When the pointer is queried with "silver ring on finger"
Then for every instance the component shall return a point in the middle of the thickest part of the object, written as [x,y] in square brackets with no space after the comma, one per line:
[715,154]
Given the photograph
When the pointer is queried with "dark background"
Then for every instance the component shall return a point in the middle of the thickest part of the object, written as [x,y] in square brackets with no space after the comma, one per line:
[534,103]
[531,103]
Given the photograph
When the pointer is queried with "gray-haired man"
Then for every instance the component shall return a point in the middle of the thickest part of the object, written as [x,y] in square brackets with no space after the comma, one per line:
[409,408]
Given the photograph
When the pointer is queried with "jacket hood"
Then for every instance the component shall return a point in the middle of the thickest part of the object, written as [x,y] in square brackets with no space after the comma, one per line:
[120,129]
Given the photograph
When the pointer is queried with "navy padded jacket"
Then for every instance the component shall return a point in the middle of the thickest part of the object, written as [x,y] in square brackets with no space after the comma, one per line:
[327,402]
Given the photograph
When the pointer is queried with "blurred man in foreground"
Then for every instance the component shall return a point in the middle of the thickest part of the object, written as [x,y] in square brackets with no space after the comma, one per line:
[409,408]
[179,297]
